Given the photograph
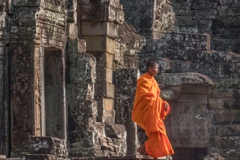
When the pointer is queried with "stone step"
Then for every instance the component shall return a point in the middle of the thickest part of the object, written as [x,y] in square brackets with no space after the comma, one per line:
[3,157]
[130,157]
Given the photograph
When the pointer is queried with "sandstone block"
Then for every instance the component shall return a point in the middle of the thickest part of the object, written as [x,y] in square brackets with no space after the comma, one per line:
[104,59]
[34,3]
[225,116]
[100,44]
[39,157]
[72,30]
[193,99]
[81,46]
[190,78]
[206,14]
[225,93]
[204,5]
[90,28]
[85,70]
[102,13]
[105,89]
[131,61]
[72,45]
[182,46]
[115,131]
[189,89]
[88,108]
[228,130]
[104,75]
[217,103]
[106,111]
[187,24]
[108,104]
[48,145]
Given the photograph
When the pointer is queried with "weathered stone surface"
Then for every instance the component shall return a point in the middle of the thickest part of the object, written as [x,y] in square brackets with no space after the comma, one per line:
[125,82]
[23,82]
[115,131]
[182,46]
[206,14]
[213,156]
[100,12]
[48,145]
[39,156]
[171,79]
[19,3]
[100,44]
[106,112]
[108,29]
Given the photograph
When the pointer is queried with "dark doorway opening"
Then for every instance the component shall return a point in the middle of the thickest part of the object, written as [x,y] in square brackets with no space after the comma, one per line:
[54,93]
[189,153]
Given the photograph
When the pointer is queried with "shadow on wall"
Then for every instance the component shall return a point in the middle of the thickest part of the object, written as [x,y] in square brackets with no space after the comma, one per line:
[198,81]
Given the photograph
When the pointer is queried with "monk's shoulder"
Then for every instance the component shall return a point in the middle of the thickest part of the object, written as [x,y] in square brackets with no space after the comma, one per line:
[144,79]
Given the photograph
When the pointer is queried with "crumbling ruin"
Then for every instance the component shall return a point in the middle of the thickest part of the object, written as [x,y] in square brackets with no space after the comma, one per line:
[68,72]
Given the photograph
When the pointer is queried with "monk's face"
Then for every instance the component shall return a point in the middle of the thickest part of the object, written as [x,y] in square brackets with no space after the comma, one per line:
[153,70]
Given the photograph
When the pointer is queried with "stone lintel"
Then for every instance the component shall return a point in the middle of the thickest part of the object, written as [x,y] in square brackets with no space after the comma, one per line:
[188,78]
[100,44]
[91,28]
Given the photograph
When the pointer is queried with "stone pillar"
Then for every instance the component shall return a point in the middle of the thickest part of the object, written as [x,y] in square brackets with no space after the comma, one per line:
[4,85]
[99,21]
[126,80]
[21,64]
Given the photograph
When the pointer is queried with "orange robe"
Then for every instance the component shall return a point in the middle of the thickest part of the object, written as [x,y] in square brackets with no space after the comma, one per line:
[149,113]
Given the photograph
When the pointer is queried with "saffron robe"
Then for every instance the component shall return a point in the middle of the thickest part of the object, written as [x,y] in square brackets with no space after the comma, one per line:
[149,113]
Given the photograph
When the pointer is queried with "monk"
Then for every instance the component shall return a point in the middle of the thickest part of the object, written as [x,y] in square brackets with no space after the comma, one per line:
[149,111]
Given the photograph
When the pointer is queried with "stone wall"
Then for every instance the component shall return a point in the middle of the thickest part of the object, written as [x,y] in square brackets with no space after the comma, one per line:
[219,18]
[200,83]
[91,40]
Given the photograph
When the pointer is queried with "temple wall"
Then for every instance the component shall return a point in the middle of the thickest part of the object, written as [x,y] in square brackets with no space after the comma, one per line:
[80,59]
[201,74]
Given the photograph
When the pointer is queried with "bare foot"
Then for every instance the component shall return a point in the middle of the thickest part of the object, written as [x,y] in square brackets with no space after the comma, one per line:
[141,150]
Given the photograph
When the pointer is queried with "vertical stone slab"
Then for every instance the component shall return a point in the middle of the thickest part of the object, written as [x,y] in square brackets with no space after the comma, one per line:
[126,80]
[82,109]
[21,98]
[21,65]
[3,120]
[4,84]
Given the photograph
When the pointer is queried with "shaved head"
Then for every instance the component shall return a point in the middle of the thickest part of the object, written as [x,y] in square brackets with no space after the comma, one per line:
[151,63]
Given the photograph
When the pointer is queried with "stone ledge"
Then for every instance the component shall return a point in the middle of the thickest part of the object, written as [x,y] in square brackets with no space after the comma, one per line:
[130,157]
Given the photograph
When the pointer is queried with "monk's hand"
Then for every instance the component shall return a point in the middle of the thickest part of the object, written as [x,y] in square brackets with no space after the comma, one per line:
[166,106]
